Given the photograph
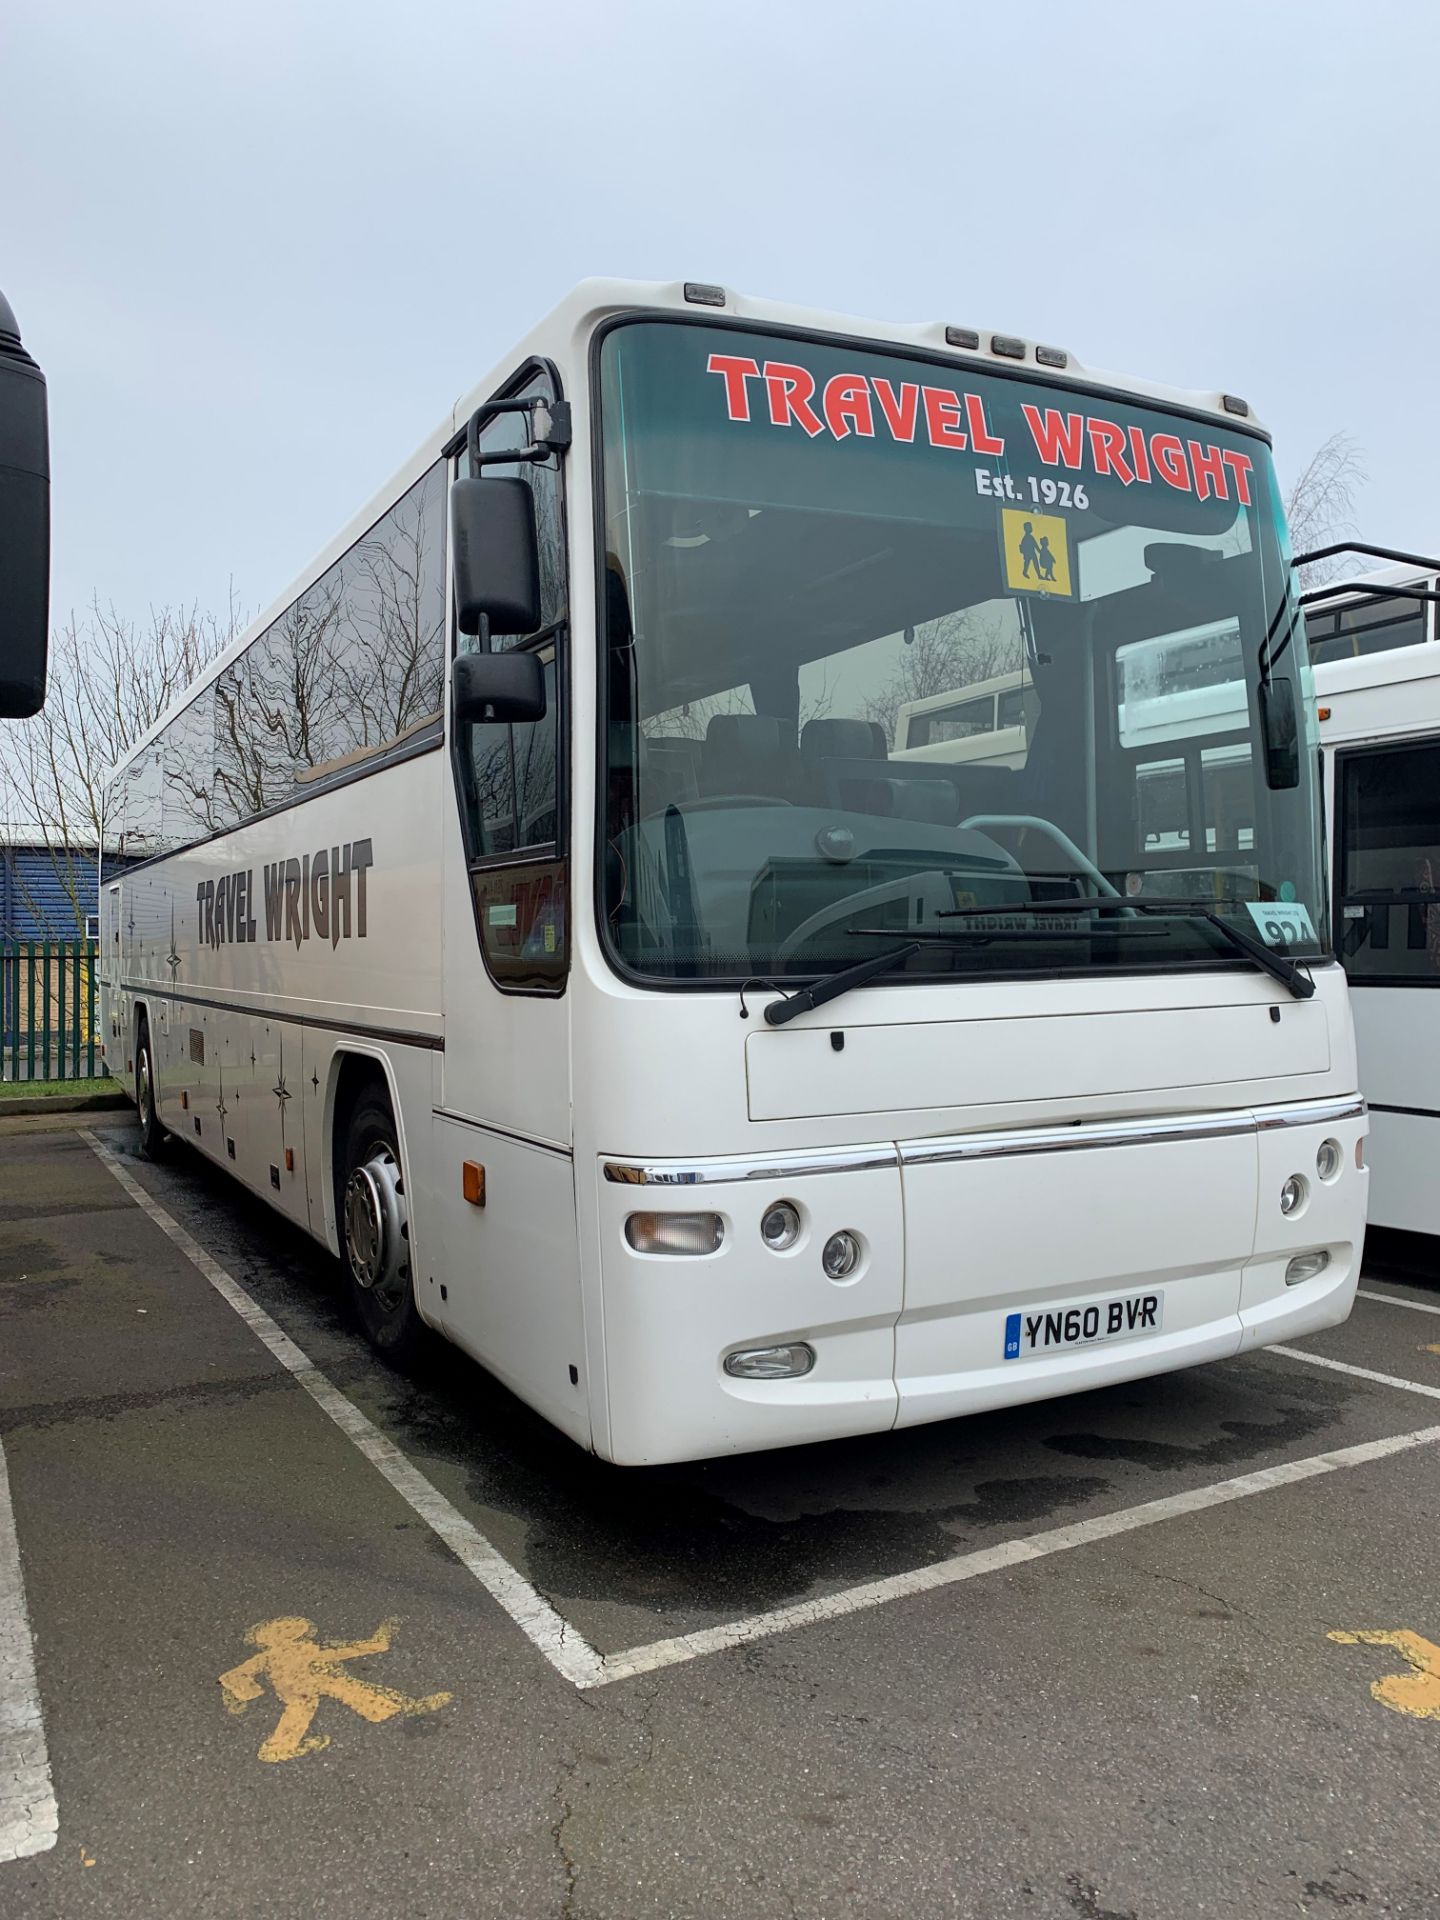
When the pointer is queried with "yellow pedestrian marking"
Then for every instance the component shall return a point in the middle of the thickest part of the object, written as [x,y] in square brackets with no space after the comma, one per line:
[1037,551]
[303,1671]
[1416,1692]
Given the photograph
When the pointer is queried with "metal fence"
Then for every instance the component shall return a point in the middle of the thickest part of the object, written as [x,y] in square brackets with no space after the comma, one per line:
[48,1014]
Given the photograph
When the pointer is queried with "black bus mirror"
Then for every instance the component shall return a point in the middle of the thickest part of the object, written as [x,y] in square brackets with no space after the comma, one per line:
[24,526]
[1280,732]
[498,686]
[496,556]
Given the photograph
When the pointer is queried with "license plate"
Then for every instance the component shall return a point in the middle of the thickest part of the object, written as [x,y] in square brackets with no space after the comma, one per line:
[1048,1329]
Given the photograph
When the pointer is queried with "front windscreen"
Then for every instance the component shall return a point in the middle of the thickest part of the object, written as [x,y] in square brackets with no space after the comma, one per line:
[896,649]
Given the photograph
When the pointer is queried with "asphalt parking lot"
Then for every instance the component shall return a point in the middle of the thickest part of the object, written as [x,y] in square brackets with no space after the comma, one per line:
[1074,1660]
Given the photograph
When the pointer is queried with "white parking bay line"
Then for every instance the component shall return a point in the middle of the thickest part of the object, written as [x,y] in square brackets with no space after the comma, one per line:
[1394,1300]
[1360,1373]
[1037,1546]
[29,1817]
[566,1650]
[573,1657]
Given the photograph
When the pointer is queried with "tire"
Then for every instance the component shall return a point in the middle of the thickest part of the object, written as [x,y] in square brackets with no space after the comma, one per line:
[153,1137]
[373,1227]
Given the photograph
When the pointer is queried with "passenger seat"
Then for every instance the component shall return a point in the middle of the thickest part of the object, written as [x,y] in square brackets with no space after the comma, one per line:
[747,754]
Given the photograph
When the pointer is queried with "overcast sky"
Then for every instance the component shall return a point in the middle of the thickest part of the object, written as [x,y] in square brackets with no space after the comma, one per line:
[259,249]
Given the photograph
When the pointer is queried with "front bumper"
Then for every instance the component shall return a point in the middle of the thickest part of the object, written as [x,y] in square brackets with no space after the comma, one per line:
[957,1233]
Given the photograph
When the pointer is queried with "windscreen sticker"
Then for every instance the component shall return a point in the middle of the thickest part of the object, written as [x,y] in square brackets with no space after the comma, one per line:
[1282,922]
[1036,547]
[782,393]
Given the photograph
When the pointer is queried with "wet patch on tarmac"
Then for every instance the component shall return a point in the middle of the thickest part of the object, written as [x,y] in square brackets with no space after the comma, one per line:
[44,1414]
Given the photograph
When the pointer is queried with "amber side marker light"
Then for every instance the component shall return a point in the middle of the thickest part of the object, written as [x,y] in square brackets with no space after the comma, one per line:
[1324,712]
[472,1182]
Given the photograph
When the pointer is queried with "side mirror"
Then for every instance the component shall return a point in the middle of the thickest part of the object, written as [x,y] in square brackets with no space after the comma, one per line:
[1280,731]
[24,526]
[498,686]
[496,558]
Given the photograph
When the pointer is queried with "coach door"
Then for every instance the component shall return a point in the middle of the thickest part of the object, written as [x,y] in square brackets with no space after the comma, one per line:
[509,1250]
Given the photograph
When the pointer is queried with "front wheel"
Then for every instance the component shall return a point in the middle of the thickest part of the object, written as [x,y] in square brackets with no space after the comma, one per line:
[152,1134]
[374,1231]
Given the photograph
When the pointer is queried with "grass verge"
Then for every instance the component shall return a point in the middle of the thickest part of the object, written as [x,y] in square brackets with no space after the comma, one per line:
[37,1089]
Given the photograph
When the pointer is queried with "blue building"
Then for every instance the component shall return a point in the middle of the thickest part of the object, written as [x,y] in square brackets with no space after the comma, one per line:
[48,893]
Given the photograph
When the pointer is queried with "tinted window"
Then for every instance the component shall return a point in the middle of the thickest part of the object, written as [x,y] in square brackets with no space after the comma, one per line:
[354,666]
[960,722]
[1367,626]
[187,758]
[1389,834]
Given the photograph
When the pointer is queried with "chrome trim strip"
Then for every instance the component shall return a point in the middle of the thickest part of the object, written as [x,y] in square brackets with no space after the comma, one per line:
[1150,1131]
[767,1166]
[1074,1136]
[1077,1136]
[1310,1113]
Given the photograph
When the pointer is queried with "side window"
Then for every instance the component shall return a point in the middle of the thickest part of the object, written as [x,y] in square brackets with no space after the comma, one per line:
[1372,625]
[135,806]
[1389,864]
[960,722]
[511,776]
[187,765]
[353,668]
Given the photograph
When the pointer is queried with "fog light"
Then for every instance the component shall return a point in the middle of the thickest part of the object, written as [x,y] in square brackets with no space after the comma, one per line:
[675,1232]
[1292,1194]
[840,1256]
[1305,1266]
[780,1226]
[771,1363]
[1327,1159]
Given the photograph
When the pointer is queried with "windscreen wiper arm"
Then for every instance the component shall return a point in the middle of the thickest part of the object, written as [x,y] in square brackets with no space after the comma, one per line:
[1288,972]
[831,985]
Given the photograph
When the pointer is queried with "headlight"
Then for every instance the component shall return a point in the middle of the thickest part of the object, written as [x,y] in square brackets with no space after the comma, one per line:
[1292,1194]
[780,1226]
[691,1233]
[840,1255]
[1327,1159]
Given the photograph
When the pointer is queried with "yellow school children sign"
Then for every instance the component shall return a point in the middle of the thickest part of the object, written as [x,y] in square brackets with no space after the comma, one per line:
[1037,552]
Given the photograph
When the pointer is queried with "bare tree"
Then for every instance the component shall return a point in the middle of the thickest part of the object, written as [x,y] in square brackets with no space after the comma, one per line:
[1320,504]
[944,656]
[110,680]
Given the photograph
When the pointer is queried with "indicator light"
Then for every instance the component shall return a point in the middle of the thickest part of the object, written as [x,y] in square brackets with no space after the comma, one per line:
[771,1363]
[686,1233]
[1305,1266]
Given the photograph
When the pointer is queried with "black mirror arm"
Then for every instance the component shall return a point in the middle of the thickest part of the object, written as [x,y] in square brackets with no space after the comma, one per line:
[549,424]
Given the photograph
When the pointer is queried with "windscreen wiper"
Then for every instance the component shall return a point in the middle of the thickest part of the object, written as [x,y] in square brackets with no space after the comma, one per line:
[1288,972]
[831,985]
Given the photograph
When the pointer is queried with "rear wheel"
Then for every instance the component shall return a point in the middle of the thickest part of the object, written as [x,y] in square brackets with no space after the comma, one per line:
[152,1134]
[375,1231]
